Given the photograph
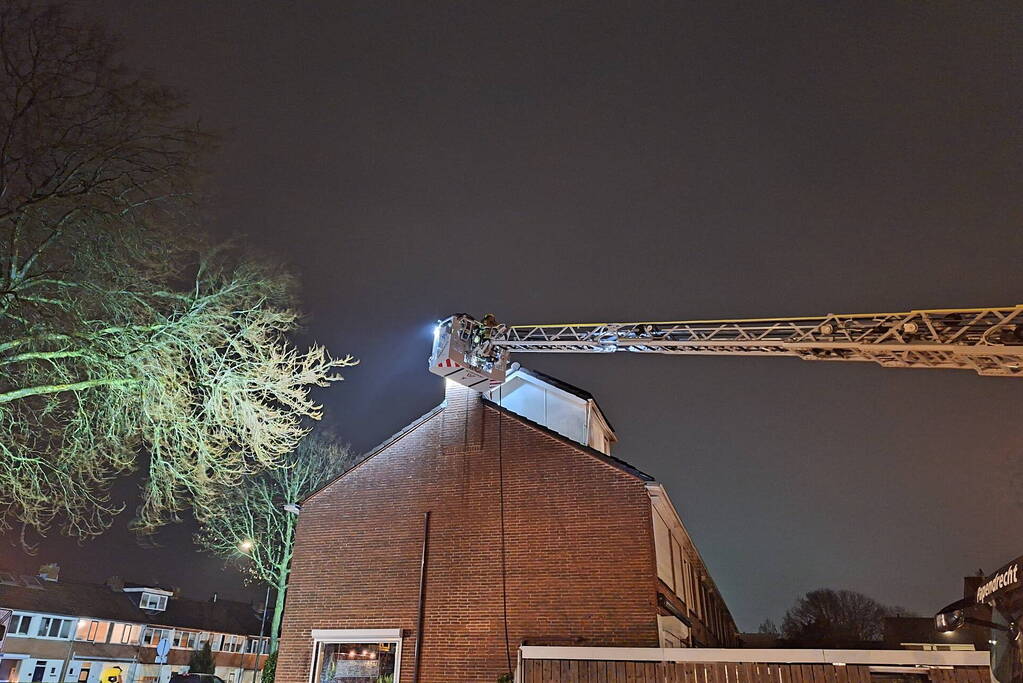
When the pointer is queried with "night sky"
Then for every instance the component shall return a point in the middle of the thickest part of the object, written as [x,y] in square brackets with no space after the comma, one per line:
[602,161]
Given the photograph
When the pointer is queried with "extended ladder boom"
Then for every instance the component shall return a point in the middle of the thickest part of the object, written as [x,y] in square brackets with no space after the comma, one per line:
[988,341]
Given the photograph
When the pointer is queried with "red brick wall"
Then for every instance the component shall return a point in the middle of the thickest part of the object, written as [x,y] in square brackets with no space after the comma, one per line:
[579,548]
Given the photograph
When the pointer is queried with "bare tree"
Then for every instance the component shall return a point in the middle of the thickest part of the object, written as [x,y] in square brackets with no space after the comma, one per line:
[831,616]
[125,342]
[251,520]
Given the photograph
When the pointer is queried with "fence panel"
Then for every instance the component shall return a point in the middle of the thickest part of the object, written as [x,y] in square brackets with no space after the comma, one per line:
[597,671]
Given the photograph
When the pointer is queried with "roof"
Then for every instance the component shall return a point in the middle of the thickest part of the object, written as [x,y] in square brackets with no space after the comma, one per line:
[560,384]
[568,388]
[411,426]
[609,459]
[99,601]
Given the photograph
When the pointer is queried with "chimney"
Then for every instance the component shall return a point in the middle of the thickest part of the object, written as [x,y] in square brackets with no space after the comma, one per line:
[463,418]
[49,572]
[115,583]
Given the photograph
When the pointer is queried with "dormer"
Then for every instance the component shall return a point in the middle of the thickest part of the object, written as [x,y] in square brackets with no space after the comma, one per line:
[150,599]
[559,406]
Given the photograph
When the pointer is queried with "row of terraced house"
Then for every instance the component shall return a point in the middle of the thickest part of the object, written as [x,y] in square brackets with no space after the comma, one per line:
[70,632]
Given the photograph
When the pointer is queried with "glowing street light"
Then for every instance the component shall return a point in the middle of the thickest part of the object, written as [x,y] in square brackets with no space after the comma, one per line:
[245,546]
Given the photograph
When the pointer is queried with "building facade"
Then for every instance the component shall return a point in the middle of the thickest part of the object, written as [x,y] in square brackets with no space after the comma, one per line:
[70,632]
[489,523]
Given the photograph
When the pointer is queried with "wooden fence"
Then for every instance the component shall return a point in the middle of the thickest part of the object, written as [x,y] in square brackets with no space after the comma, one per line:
[589,671]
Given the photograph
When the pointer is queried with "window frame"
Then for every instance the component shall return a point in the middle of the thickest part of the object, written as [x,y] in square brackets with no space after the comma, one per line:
[94,630]
[145,602]
[145,641]
[332,636]
[23,620]
[190,638]
[46,624]
[132,631]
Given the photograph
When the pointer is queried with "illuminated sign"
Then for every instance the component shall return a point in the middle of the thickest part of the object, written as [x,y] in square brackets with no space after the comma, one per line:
[1002,581]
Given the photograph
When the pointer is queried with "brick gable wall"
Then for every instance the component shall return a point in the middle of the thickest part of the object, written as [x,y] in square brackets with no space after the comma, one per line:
[578,542]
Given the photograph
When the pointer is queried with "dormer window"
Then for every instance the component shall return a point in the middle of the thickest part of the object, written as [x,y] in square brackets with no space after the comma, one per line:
[153,602]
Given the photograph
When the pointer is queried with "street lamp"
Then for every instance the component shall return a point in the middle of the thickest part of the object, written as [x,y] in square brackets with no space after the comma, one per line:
[245,546]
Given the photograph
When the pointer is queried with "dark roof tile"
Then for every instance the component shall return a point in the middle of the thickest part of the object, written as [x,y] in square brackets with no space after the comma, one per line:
[99,601]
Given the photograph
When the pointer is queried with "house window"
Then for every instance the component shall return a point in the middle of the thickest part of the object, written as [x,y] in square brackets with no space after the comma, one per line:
[672,632]
[155,635]
[153,602]
[51,627]
[340,655]
[83,674]
[125,634]
[676,563]
[233,643]
[216,641]
[185,639]
[19,625]
[662,548]
[256,645]
[92,631]
[687,575]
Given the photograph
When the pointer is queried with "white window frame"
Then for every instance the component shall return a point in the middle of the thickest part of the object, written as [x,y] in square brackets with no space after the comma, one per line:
[49,621]
[145,602]
[145,639]
[332,636]
[233,643]
[24,621]
[132,631]
[190,638]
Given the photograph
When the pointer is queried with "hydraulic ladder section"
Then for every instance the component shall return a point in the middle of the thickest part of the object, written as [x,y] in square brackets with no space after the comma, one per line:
[988,341]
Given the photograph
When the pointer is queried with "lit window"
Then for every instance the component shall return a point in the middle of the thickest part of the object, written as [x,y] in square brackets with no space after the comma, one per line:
[153,602]
[92,631]
[84,626]
[371,660]
[125,634]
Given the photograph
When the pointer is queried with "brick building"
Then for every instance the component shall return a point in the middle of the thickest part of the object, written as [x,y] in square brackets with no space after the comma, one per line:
[488,523]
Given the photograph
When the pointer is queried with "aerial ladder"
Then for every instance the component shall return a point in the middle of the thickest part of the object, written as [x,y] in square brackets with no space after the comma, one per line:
[988,341]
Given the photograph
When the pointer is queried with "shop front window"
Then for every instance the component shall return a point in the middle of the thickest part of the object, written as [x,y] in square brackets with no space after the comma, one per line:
[358,660]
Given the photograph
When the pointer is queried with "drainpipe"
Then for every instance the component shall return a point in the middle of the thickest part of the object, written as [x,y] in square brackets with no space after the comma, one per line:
[422,597]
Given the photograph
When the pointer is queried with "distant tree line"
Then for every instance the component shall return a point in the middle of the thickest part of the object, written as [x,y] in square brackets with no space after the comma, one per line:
[829,617]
